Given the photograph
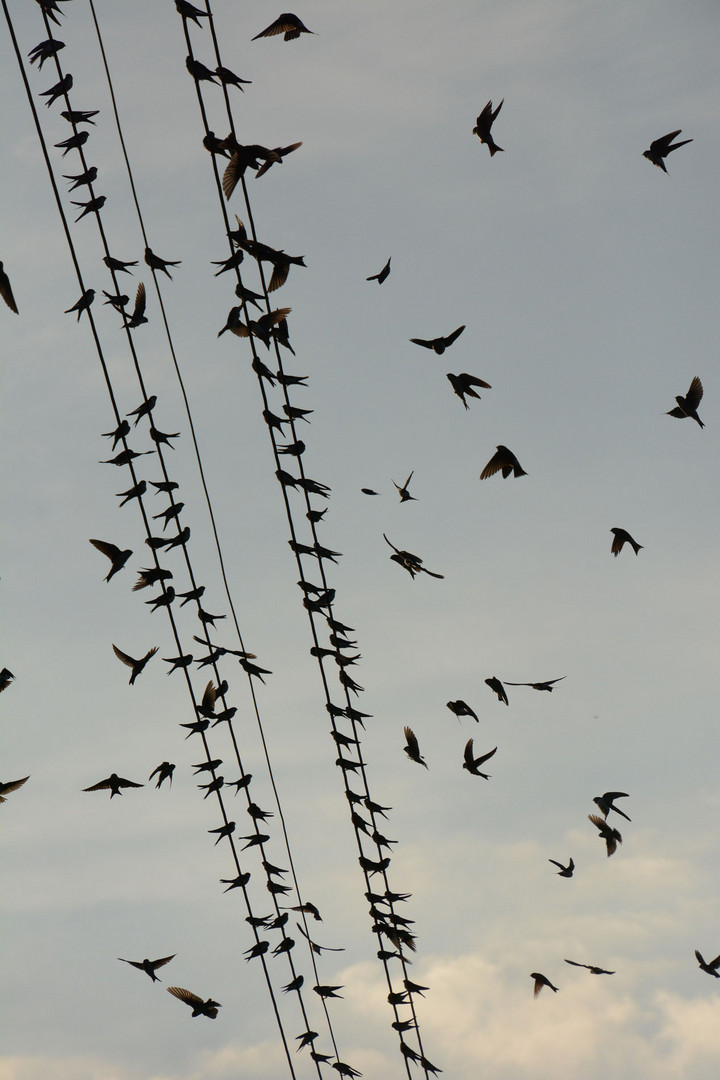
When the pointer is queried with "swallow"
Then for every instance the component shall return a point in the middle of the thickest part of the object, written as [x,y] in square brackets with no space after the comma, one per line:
[605,803]
[687,406]
[117,557]
[113,784]
[44,51]
[471,763]
[155,262]
[611,836]
[160,485]
[80,116]
[82,304]
[286,24]
[660,148]
[83,178]
[382,275]
[229,78]
[163,599]
[58,90]
[169,515]
[540,981]
[11,785]
[136,665]
[116,264]
[50,10]
[412,747]
[564,871]
[118,300]
[403,492]
[261,328]
[198,1006]
[200,72]
[150,577]
[275,157]
[134,492]
[461,708]
[484,122]
[125,457]
[497,688]
[189,11]
[463,384]
[621,537]
[591,968]
[164,771]
[6,290]
[327,991]
[345,1070]
[250,297]
[710,967]
[74,142]
[163,437]
[440,344]
[547,685]
[227,829]
[308,909]
[90,207]
[408,561]
[145,409]
[503,461]
[6,677]
[149,966]
[294,413]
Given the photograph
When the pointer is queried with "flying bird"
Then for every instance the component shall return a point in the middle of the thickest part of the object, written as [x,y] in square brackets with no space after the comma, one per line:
[403,492]
[136,665]
[497,688]
[605,803]
[483,124]
[149,966]
[660,148]
[287,24]
[138,316]
[591,967]
[408,561]
[6,677]
[113,784]
[564,871]
[440,344]
[6,290]
[620,538]
[547,685]
[686,406]
[198,1006]
[710,967]
[611,836]
[503,461]
[463,384]
[11,785]
[164,771]
[117,557]
[382,275]
[540,981]
[275,157]
[471,763]
[461,708]
[412,747]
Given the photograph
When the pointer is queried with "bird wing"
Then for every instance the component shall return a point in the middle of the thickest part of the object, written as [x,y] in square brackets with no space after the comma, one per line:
[421,341]
[494,465]
[101,784]
[454,336]
[485,757]
[661,144]
[133,963]
[468,754]
[140,299]
[123,657]
[185,995]
[148,654]
[411,739]
[575,963]
[695,393]
[165,960]
[12,785]
[107,549]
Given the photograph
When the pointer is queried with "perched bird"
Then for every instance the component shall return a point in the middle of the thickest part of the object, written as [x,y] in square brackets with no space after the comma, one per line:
[136,665]
[11,785]
[118,300]
[497,687]
[80,116]
[6,290]
[471,763]
[58,90]
[155,262]
[403,492]
[125,457]
[145,409]
[164,771]
[198,1006]
[412,747]
[440,344]
[118,265]
[408,561]
[82,304]
[686,406]
[229,78]
[74,142]
[89,207]
[547,685]
[6,677]
[605,803]
[463,384]
[382,275]
[287,24]
[710,967]
[461,708]
[621,537]
[44,51]
[484,122]
[327,991]
[611,836]
[113,784]
[540,981]
[117,557]
[189,11]
[660,148]
[149,966]
[564,871]
[80,180]
[591,967]
[134,492]
[503,461]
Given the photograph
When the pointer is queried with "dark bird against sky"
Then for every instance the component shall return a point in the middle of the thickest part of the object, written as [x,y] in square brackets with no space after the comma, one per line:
[439,344]
[686,406]
[620,538]
[660,148]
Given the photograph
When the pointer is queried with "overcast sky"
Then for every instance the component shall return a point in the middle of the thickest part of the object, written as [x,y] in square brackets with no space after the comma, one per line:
[587,282]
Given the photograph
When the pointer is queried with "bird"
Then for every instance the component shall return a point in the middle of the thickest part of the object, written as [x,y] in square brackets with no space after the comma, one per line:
[382,275]
[287,24]
[118,265]
[149,966]
[369,491]
[540,981]
[90,207]
[471,763]
[497,687]
[11,785]
[80,180]
[463,384]
[135,492]
[412,747]
[502,461]
[611,836]
[547,685]
[118,300]
[189,11]
[138,316]
[155,262]
[403,492]
[82,304]
[605,803]
[564,871]
[117,557]
[275,157]
[660,148]
[708,966]
[58,90]
[44,51]
[461,708]
[136,665]
[327,991]
[199,71]
[125,457]
[80,116]
[440,344]
[6,290]
[164,771]
[74,142]
[483,124]
[229,78]
[411,563]
[6,677]
[620,538]
[591,967]
[145,409]
[686,406]
[113,784]
[198,1006]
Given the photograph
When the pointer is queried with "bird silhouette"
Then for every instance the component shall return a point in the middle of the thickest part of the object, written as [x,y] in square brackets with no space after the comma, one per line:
[275,157]
[382,275]
[439,344]
[136,665]
[189,11]
[620,538]
[541,981]
[74,142]
[6,677]
[199,71]
[11,785]
[408,561]
[686,406]
[412,747]
[82,179]
[198,1006]
[547,685]
[117,557]
[138,316]
[461,708]
[90,207]
[497,688]
[403,492]
[155,262]
[6,290]
[286,24]
[611,836]
[660,148]
[80,116]
[149,966]
[463,384]
[710,967]
[605,803]
[564,871]
[483,124]
[114,784]
[45,50]
[229,78]
[58,90]
[471,763]
[502,461]
[82,304]
[591,968]
[164,771]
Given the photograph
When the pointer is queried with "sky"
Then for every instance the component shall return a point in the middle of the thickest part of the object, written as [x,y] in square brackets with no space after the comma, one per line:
[587,283]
